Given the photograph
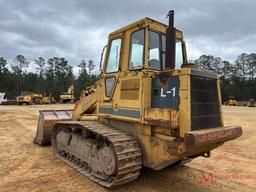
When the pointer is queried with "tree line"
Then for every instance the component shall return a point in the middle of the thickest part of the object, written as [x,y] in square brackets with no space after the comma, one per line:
[49,77]
[55,75]
[236,78]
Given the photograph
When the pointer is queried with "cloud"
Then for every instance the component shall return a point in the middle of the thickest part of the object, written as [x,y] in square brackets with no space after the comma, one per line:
[79,29]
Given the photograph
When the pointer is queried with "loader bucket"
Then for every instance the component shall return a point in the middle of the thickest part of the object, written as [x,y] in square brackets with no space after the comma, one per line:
[46,121]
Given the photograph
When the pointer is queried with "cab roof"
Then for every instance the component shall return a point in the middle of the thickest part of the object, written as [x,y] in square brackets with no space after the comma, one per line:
[145,21]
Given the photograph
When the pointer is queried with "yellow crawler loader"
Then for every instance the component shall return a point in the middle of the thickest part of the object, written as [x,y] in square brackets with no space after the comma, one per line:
[150,108]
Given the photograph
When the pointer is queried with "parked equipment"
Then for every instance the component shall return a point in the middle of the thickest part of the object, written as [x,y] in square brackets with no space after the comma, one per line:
[48,99]
[68,96]
[5,101]
[2,99]
[27,97]
[231,101]
[9,102]
[144,111]
[251,103]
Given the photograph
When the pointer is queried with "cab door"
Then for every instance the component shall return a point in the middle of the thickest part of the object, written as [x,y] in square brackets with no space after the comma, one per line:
[112,67]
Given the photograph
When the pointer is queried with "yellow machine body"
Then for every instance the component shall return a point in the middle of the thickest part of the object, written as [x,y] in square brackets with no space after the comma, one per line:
[27,97]
[175,115]
[231,101]
[160,130]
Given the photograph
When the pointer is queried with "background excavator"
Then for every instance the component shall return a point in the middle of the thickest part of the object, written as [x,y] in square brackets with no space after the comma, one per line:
[68,96]
[150,108]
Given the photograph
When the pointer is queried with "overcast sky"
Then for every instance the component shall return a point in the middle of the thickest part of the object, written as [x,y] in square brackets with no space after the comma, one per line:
[78,29]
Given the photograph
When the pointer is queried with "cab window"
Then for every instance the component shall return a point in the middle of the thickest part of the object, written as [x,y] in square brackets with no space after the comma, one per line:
[113,56]
[137,49]
[163,40]
[178,54]
[154,50]
[109,85]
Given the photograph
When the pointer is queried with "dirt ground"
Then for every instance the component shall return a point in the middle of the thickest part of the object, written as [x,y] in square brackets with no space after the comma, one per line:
[25,166]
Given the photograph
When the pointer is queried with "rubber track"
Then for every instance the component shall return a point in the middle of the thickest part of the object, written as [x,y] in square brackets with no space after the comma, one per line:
[129,160]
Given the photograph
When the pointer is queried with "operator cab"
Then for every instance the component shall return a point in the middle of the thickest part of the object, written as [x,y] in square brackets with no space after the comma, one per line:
[142,46]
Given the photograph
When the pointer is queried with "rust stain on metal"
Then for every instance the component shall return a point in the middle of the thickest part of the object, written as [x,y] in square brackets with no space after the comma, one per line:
[161,117]
[211,136]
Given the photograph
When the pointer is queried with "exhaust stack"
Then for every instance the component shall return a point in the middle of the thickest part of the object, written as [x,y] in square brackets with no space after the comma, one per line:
[170,43]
